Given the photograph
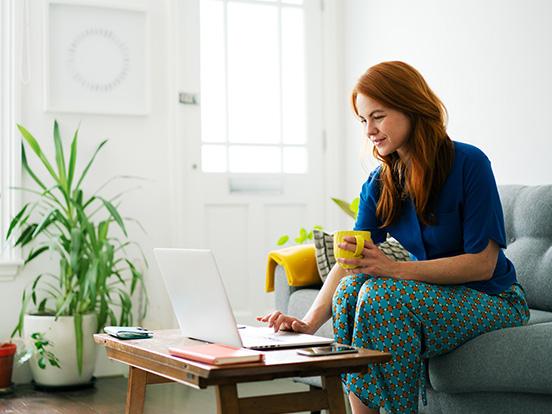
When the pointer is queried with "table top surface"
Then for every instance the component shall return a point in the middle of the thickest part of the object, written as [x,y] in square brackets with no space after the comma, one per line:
[156,348]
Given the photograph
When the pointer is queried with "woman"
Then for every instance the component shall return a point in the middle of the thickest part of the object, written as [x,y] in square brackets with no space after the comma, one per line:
[439,199]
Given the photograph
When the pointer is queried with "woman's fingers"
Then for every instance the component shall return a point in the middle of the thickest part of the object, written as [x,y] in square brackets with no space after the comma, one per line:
[279,321]
[264,318]
[273,317]
[349,243]
[282,322]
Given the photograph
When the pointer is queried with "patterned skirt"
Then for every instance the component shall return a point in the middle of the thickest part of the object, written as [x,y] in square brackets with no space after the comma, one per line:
[413,321]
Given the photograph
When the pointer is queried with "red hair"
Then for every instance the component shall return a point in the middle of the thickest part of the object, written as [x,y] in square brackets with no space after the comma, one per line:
[431,152]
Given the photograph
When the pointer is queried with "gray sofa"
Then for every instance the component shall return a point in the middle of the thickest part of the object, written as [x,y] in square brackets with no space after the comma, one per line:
[505,371]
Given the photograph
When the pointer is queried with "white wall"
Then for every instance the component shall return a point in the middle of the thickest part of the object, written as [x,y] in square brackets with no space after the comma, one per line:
[489,61]
[138,145]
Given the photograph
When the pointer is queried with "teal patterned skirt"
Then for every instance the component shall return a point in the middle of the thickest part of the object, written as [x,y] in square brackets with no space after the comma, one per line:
[413,321]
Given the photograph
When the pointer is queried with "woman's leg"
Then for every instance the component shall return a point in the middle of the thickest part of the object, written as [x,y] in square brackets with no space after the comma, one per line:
[358,406]
[343,317]
[344,307]
[413,320]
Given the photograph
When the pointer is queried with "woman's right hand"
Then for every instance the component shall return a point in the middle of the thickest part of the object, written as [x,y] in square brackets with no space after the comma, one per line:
[282,322]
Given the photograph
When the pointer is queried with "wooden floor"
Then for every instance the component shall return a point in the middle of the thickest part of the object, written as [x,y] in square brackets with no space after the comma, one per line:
[108,397]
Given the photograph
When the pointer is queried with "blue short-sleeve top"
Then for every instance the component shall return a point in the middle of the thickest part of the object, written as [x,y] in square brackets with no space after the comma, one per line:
[468,214]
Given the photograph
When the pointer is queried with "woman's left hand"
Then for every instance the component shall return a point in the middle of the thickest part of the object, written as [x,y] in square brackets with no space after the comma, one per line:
[372,261]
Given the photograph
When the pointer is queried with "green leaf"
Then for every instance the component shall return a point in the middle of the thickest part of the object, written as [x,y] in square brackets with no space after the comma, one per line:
[282,240]
[76,239]
[302,236]
[60,158]
[65,302]
[46,221]
[27,168]
[42,305]
[26,235]
[103,312]
[53,360]
[136,275]
[16,219]
[89,164]
[103,227]
[345,206]
[33,143]
[35,253]
[114,213]
[41,363]
[72,160]
[78,337]
[354,206]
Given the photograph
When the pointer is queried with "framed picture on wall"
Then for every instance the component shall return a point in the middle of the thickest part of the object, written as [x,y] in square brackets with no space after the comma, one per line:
[96,57]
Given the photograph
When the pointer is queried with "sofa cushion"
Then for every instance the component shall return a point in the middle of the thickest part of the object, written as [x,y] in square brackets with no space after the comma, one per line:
[325,259]
[512,359]
[538,316]
[527,212]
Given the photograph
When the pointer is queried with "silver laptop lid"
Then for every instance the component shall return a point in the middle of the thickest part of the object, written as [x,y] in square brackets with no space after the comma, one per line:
[197,295]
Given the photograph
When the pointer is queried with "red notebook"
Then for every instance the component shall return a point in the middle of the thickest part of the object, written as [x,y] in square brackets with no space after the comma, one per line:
[217,354]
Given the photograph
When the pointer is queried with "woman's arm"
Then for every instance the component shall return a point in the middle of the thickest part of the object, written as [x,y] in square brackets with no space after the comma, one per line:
[321,309]
[319,312]
[448,270]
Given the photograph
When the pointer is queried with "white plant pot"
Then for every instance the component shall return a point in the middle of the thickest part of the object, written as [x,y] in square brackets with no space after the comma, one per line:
[61,333]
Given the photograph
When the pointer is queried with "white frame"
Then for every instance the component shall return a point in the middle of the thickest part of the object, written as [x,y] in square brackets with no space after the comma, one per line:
[10,144]
[226,144]
[86,105]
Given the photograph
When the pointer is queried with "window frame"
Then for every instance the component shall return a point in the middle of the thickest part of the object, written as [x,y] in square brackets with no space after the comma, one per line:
[10,144]
[281,145]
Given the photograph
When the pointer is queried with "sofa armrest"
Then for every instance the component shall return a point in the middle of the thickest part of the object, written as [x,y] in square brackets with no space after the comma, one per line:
[283,291]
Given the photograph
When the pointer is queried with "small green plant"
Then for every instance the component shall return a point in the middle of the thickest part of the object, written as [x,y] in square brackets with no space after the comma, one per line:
[301,238]
[351,209]
[40,343]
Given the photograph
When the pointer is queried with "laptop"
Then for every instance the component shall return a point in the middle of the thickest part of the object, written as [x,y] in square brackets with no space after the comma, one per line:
[202,308]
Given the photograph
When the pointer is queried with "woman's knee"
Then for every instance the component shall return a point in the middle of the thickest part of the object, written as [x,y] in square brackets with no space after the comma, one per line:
[347,290]
[378,291]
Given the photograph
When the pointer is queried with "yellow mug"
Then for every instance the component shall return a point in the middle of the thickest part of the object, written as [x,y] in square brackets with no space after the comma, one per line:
[339,253]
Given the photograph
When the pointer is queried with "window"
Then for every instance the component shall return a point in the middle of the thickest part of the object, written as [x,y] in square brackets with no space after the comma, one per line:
[253,86]
[10,165]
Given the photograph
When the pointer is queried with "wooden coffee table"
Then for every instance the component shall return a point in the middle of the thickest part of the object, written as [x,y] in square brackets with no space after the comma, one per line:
[150,363]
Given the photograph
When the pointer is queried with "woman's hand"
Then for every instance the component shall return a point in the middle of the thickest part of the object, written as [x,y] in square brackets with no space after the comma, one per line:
[283,322]
[372,261]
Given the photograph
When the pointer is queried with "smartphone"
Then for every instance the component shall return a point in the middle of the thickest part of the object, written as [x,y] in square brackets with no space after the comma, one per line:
[336,349]
[128,332]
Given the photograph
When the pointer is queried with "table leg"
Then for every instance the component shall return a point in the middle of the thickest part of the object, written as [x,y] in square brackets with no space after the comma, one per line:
[136,391]
[314,389]
[334,389]
[227,399]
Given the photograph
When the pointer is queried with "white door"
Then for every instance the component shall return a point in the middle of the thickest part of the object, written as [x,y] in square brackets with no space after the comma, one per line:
[249,134]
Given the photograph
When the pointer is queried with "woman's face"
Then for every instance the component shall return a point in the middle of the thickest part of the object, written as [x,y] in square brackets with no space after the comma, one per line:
[388,129]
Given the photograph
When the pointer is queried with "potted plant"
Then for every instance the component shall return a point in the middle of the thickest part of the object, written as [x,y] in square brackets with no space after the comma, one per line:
[96,279]
[7,352]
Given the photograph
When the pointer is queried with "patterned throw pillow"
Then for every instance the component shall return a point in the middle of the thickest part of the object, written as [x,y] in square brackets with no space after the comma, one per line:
[325,260]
